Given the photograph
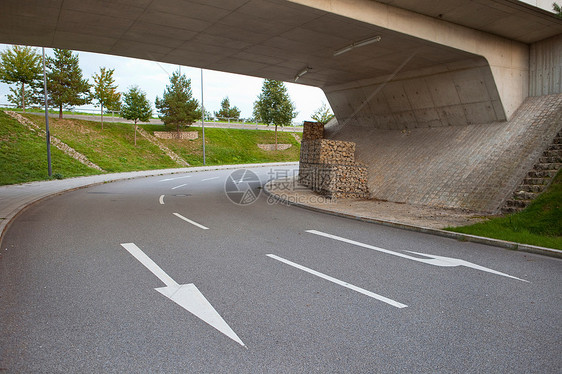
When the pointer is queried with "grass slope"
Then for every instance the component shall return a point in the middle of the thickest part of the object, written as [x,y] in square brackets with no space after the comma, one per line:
[539,224]
[231,146]
[23,156]
[112,148]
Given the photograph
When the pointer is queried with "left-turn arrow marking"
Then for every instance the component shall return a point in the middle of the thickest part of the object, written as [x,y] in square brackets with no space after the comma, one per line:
[185,295]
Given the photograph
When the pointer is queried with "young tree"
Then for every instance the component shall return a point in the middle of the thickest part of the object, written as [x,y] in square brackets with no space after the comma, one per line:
[274,105]
[226,112]
[105,90]
[178,107]
[64,80]
[33,95]
[21,65]
[136,107]
[256,113]
[557,9]
[323,114]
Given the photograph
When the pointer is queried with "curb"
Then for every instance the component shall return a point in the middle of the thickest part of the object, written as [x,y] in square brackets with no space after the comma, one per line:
[447,234]
[116,177]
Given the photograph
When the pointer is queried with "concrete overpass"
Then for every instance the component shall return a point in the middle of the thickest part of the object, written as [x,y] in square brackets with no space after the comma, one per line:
[388,64]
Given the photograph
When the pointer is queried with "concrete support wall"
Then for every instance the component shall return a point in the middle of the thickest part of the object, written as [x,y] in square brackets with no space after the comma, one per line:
[546,67]
[475,167]
[455,94]
[508,60]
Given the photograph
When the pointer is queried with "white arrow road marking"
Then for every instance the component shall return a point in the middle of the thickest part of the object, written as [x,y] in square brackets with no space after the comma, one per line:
[181,185]
[208,179]
[432,260]
[185,295]
[339,282]
[190,221]
[161,199]
[171,179]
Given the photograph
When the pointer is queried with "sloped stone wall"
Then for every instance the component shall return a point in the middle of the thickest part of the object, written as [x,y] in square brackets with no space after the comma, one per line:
[474,167]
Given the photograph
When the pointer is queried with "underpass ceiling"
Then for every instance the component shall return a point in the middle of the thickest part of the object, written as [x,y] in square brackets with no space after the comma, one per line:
[511,19]
[265,38]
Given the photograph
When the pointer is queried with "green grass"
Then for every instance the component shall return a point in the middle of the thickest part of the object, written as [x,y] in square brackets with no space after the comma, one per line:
[23,156]
[55,111]
[539,224]
[112,148]
[231,146]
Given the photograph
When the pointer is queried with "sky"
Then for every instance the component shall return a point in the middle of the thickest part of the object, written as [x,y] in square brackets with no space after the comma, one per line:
[152,77]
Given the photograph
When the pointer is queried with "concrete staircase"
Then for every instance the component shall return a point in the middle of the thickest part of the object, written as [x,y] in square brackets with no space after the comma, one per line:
[538,179]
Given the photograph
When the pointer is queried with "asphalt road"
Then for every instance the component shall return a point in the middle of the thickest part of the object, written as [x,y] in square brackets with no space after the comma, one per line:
[251,289]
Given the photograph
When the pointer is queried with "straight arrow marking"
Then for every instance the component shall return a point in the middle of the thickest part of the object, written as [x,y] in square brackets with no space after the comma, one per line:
[149,264]
[432,260]
[187,296]
[339,282]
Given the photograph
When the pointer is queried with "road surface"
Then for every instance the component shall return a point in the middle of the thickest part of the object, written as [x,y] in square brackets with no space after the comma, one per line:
[168,274]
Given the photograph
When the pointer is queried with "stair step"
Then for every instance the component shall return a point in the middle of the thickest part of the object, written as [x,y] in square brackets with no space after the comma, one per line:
[517,203]
[547,166]
[510,209]
[552,153]
[536,188]
[525,195]
[536,181]
[551,159]
[541,174]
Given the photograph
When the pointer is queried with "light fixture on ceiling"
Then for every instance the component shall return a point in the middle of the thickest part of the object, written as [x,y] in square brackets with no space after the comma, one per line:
[360,43]
[302,72]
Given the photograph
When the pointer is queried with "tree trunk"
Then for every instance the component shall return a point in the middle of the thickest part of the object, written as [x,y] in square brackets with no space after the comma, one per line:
[23,96]
[135,133]
[102,116]
[60,111]
[275,137]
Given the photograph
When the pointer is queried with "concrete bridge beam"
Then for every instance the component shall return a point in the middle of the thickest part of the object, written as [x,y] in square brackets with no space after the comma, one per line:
[487,85]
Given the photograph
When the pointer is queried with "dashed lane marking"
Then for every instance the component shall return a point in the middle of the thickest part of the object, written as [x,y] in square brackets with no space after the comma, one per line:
[171,179]
[339,282]
[190,221]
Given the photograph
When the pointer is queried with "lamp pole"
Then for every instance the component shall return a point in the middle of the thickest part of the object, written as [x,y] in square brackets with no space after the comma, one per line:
[48,134]
[203,117]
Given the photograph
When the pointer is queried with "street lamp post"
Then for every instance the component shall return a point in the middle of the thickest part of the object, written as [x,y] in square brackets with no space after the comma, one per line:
[203,117]
[48,134]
